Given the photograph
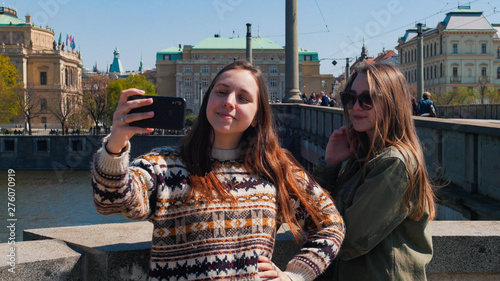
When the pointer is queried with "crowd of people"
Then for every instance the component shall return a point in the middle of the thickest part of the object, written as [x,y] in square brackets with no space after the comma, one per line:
[217,199]
[320,99]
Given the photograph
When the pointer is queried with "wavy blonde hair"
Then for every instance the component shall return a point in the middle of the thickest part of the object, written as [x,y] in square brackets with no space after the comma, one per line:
[391,96]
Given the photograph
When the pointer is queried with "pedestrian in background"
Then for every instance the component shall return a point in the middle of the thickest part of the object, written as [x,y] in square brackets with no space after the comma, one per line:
[323,100]
[427,107]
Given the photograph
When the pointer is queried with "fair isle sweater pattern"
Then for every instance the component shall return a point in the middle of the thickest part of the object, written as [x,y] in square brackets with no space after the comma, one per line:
[215,241]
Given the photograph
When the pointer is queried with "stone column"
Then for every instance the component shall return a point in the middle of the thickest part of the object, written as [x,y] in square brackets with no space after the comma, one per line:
[292,92]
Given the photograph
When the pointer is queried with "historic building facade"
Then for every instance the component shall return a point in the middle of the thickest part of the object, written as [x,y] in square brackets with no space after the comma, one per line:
[186,71]
[48,71]
[463,50]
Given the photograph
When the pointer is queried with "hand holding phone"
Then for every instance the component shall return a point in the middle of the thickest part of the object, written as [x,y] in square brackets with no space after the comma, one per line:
[169,113]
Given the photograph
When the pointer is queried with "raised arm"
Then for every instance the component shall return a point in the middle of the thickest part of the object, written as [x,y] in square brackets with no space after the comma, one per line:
[118,188]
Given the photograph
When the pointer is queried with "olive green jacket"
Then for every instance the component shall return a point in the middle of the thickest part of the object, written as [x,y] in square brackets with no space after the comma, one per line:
[381,242]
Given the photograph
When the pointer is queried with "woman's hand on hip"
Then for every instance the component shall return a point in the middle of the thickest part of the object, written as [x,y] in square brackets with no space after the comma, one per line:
[269,271]
[121,131]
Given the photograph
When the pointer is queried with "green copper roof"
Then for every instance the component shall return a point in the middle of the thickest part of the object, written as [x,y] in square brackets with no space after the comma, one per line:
[171,50]
[237,43]
[7,19]
[465,11]
[304,51]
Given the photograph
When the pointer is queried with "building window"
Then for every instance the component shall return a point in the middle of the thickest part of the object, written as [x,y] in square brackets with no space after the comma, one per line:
[167,57]
[435,71]
[43,78]
[455,48]
[213,57]
[9,145]
[205,69]
[43,104]
[483,71]
[323,84]
[273,82]
[273,69]
[205,82]
[187,69]
[455,72]
[498,53]
[263,57]
[221,57]
[188,95]
[498,73]
[188,82]
[272,57]
[44,120]
[230,57]
[42,145]
[76,145]
[483,48]
[204,57]
[219,68]
[307,58]
[196,57]
[441,70]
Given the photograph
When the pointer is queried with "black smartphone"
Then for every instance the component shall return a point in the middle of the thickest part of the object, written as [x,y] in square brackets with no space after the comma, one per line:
[169,113]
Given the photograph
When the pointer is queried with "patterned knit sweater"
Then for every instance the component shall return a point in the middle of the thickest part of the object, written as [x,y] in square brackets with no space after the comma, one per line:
[209,241]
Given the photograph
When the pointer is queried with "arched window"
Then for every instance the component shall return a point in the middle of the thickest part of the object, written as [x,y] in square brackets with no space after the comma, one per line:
[43,104]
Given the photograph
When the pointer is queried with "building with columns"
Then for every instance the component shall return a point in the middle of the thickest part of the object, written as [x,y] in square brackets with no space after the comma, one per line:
[48,70]
[463,50]
[186,71]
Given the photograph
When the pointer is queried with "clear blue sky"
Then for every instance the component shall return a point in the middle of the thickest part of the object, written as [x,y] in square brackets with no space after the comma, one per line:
[146,27]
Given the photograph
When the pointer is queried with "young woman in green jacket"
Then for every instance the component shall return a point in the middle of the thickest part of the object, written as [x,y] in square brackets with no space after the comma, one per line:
[383,190]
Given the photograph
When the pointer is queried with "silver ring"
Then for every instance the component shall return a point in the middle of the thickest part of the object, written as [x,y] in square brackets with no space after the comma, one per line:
[123,120]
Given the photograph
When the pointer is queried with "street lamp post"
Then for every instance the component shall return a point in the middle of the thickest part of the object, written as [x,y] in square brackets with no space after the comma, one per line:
[420,62]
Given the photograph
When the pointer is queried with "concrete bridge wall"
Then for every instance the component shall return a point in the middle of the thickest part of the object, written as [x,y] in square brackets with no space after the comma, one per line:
[470,111]
[461,155]
[462,251]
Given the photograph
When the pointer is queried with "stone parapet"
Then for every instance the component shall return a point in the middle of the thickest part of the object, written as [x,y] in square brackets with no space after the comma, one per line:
[463,250]
[39,260]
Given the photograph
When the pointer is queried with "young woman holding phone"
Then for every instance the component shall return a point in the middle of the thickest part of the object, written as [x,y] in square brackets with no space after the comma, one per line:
[216,200]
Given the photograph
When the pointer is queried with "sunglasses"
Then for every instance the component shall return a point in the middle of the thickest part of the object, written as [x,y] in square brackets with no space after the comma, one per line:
[349,100]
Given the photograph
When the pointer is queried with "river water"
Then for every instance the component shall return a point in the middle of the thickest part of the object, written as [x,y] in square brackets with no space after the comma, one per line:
[62,198]
[48,199]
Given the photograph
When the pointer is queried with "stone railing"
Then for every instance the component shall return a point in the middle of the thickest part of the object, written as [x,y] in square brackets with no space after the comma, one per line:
[462,251]
[470,111]
[69,152]
[462,155]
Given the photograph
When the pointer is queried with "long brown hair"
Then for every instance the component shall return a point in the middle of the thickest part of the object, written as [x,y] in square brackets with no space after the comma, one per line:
[263,156]
[390,95]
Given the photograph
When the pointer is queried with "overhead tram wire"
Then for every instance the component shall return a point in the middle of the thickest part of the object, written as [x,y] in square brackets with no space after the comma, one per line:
[396,29]
[307,33]
[321,13]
